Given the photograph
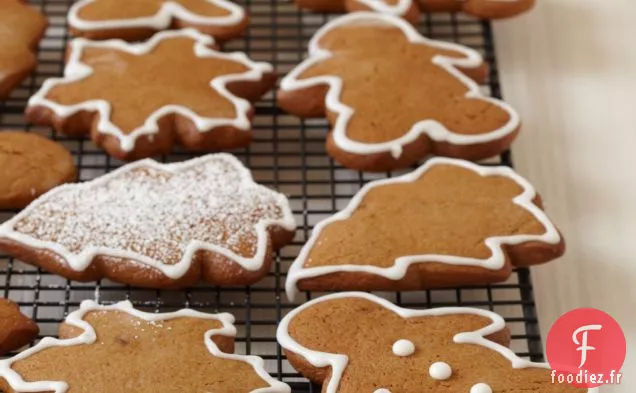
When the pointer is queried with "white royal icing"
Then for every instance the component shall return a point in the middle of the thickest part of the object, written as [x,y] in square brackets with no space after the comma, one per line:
[481,388]
[161,20]
[338,362]
[496,261]
[402,6]
[435,130]
[147,204]
[403,348]
[382,391]
[398,9]
[89,336]
[440,371]
[75,71]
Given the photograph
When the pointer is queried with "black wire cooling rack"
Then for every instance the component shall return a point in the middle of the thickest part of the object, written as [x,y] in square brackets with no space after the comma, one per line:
[287,154]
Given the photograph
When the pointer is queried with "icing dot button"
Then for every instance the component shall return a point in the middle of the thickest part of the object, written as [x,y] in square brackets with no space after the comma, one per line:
[382,391]
[481,388]
[403,348]
[440,371]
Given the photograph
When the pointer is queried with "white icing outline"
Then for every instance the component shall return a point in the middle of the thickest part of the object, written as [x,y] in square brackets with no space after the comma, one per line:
[496,261]
[435,130]
[81,261]
[168,11]
[400,8]
[76,71]
[338,362]
[89,336]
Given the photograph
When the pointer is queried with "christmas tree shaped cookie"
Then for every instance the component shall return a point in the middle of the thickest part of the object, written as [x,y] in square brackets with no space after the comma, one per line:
[450,223]
[156,225]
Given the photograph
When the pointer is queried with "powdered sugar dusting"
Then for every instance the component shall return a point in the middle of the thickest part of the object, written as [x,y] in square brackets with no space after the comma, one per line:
[157,213]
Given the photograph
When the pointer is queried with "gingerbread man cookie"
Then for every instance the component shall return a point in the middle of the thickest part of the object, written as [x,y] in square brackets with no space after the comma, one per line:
[156,225]
[30,165]
[356,342]
[16,330]
[409,10]
[393,96]
[137,20]
[403,8]
[485,9]
[117,348]
[448,224]
[138,100]
[406,9]
[21,29]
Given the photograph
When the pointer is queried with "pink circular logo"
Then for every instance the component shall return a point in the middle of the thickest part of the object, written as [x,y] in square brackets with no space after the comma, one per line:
[586,348]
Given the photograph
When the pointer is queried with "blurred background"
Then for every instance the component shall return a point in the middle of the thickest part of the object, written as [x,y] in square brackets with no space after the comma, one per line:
[569,67]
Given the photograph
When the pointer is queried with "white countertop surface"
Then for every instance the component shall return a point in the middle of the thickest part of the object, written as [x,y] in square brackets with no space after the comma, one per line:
[569,67]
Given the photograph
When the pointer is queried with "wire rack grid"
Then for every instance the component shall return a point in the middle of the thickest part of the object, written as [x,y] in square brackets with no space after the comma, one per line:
[287,154]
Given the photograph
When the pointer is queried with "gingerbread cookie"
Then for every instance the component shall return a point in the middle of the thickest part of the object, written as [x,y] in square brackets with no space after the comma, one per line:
[120,349]
[406,9]
[409,10]
[356,342]
[485,9]
[16,330]
[156,225]
[30,165]
[393,96]
[21,29]
[137,101]
[137,20]
[450,223]
[402,8]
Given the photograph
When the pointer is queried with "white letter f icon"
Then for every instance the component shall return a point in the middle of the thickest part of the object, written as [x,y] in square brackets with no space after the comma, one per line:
[583,344]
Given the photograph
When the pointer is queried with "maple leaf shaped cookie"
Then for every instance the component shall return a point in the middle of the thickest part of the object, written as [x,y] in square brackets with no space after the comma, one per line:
[138,100]
[393,96]
[356,342]
[449,223]
[137,20]
[16,330]
[156,225]
[117,348]
[21,28]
